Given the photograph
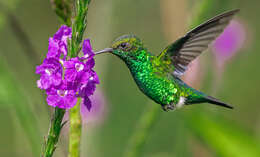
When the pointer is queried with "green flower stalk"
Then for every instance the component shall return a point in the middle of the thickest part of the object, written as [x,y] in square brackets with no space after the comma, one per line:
[56,72]
[56,121]
[75,131]
[54,132]
[78,29]
[78,26]
[63,8]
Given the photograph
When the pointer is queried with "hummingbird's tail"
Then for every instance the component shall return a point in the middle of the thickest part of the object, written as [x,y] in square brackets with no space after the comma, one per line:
[215,101]
[198,97]
[206,99]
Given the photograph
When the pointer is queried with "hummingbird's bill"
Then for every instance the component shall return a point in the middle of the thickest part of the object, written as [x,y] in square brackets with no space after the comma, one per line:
[106,50]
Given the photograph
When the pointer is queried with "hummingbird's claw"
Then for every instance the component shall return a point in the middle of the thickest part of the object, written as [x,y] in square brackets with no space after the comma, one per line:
[168,107]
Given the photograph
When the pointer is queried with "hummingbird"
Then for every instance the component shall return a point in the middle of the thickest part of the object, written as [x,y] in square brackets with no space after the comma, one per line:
[159,77]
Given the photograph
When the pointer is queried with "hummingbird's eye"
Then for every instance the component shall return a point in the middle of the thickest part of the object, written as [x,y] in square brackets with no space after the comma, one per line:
[124,46]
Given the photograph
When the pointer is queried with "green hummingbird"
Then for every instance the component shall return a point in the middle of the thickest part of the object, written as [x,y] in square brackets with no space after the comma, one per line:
[158,77]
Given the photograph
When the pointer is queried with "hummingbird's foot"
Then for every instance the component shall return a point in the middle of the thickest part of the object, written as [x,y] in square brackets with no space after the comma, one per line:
[168,107]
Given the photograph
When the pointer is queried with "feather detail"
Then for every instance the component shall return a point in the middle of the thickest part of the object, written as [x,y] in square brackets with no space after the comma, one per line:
[186,49]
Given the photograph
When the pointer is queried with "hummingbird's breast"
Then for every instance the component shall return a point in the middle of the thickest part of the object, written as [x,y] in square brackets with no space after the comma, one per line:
[156,85]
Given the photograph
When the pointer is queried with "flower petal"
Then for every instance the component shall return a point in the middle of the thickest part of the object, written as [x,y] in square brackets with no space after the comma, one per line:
[53,50]
[62,33]
[70,101]
[53,100]
[87,103]
[44,82]
[87,49]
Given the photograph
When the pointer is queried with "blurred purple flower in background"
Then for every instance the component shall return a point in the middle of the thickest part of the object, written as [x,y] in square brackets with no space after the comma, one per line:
[225,47]
[64,78]
[98,111]
[229,42]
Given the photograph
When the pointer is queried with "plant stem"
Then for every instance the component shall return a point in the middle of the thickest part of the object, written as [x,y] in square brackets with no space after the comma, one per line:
[75,131]
[56,122]
[144,126]
[78,28]
[54,132]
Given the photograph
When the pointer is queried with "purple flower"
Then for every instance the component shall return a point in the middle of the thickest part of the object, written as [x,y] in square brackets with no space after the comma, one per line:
[75,70]
[88,89]
[61,98]
[67,79]
[51,73]
[58,44]
[87,50]
[97,112]
[230,41]
[63,33]
[53,50]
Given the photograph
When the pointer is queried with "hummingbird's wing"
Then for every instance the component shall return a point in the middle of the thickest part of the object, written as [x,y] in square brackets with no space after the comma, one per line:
[187,48]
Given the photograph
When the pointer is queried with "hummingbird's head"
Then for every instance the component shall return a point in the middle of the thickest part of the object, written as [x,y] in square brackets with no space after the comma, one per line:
[125,47]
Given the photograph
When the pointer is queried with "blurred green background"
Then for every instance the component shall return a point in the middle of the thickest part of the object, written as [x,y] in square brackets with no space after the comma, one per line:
[200,130]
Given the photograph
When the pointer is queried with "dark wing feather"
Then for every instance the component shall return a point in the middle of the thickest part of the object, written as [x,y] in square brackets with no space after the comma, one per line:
[187,48]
